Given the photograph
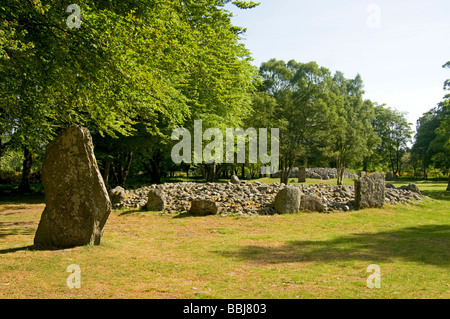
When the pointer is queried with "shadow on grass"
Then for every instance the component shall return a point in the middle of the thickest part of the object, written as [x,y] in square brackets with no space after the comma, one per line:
[131,212]
[425,244]
[32,248]
[30,199]
[16,228]
[437,194]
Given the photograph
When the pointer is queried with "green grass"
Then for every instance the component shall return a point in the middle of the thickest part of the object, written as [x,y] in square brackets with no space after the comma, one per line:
[149,255]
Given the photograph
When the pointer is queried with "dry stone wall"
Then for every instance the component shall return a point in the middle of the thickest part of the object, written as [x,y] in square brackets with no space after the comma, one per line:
[256,198]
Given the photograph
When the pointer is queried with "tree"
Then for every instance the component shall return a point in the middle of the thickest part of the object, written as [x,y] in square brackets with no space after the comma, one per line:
[395,133]
[353,133]
[432,140]
[444,128]
[302,113]
[130,62]
[427,126]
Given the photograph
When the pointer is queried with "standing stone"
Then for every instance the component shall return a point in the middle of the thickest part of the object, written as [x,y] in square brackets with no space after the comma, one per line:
[156,201]
[311,203]
[203,207]
[287,200]
[370,191]
[302,175]
[117,195]
[235,180]
[389,176]
[77,202]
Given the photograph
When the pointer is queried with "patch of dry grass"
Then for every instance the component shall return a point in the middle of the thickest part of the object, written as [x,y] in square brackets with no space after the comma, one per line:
[148,255]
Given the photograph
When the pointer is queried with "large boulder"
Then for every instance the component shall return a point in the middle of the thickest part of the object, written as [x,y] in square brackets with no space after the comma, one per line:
[203,207]
[287,200]
[156,200]
[370,191]
[117,195]
[311,203]
[414,188]
[77,202]
[235,180]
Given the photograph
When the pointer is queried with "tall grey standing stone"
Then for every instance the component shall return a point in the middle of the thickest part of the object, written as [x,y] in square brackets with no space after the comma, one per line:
[287,200]
[370,191]
[77,202]
[156,200]
[302,174]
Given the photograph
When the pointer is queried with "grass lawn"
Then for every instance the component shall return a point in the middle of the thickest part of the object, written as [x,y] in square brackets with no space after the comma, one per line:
[149,255]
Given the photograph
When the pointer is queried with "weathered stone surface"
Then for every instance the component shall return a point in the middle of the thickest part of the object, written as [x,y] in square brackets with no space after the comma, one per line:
[311,203]
[77,202]
[156,200]
[287,201]
[414,188]
[370,191]
[317,173]
[202,207]
[302,175]
[235,180]
[254,198]
[117,195]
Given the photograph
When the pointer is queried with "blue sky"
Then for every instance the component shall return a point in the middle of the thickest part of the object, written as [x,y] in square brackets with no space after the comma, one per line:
[398,47]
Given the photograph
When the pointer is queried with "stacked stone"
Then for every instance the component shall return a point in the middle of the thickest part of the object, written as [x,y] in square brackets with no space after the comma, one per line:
[249,198]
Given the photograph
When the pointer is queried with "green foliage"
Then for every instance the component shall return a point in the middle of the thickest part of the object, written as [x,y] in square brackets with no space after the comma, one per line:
[392,127]
[432,140]
[150,64]
[318,113]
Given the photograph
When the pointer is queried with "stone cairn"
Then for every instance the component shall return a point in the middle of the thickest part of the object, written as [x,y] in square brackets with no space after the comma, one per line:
[251,198]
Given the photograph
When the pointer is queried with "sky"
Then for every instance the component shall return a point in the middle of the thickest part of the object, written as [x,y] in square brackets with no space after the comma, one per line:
[398,47]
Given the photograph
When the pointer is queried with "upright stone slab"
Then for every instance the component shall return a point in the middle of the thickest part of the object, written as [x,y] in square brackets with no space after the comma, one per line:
[302,174]
[156,201]
[77,202]
[370,191]
[287,200]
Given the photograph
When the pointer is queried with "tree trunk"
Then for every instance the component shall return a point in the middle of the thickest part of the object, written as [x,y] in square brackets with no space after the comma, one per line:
[106,172]
[122,169]
[210,170]
[286,173]
[25,186]
[448,187]
[155,169]
[340,167]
